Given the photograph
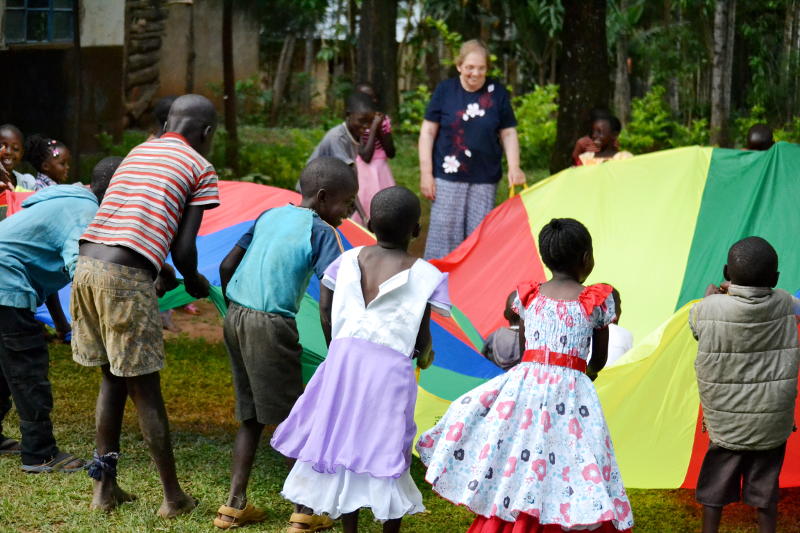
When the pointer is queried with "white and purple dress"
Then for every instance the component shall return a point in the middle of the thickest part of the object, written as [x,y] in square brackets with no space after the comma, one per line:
[353,428]
[529,450]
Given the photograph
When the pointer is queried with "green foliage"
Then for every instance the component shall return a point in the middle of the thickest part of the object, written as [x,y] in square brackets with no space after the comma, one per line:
[269,156]
[536,125]
[412,110]
[742,124]
[652,126]
[789,133]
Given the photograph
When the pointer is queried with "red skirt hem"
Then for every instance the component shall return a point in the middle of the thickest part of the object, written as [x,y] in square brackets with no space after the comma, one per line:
[526,523]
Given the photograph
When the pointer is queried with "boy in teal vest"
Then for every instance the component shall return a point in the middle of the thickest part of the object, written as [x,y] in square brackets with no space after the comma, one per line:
[264,278]
[747,364]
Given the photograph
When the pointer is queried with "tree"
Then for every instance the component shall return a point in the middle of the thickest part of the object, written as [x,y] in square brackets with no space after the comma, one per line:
[722,71]
[584,77]
[229,83]
[377,50]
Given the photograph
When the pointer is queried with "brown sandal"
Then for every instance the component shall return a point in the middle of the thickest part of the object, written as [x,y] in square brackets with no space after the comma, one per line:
[241,517]
[314,522]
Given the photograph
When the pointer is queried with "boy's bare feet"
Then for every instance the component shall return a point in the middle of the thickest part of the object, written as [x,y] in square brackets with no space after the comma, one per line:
[108,496]
[170,509]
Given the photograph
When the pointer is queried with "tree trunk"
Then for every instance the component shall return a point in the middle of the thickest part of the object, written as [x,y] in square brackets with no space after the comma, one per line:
[308,68]
[721,71]
[377,50]
[584,78]
[282,75]
[622,85]
[673,95]
[229,83]
[788,56]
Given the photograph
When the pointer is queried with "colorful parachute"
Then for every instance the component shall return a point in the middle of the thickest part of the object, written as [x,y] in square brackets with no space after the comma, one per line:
[661,224]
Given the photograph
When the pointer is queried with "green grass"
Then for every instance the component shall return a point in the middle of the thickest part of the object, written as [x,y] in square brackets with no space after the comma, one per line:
[197,387]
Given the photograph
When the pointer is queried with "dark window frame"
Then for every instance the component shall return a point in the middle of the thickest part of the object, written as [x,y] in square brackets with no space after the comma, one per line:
[50,10]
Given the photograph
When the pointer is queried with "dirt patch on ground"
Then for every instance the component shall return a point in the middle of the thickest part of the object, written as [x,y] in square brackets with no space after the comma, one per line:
[207,324]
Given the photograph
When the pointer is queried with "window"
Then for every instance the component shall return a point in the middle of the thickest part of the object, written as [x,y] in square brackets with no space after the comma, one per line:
[39,21]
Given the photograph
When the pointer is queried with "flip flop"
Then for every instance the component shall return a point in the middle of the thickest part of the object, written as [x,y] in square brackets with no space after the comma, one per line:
[314,522]
[10,447]
[241,517]
[60,463]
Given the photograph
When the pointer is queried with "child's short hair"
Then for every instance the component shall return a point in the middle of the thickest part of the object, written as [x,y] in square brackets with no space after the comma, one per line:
[326,173]
[39,149]
[613,123]
[563,243]
[102,173]
[394,214]
[752,262]
[759,137]
[161,112]
[359,102]
[12,129]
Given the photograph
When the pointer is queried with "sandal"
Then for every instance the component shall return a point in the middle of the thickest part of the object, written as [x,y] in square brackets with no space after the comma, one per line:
[314,522]
[62,462]
[241,517]
[10,446]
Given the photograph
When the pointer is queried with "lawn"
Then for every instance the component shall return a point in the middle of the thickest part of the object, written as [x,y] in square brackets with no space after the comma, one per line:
[199,395]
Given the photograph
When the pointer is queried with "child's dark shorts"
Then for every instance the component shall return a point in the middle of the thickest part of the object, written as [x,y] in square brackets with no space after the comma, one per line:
[728,475]
[265,361]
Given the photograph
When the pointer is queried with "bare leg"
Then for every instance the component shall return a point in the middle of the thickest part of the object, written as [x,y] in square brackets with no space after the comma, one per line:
[711,518]
[108,419]
[145,391]
[244,453]
[768,519]
[350,522]
[392,526]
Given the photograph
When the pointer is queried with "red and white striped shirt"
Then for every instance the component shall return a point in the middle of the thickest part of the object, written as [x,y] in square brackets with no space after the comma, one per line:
[146,197]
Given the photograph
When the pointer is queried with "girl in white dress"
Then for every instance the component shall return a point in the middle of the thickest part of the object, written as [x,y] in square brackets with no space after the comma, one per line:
[352,430]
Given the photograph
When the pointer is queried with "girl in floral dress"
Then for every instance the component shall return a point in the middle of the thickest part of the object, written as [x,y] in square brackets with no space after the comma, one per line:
[530,451]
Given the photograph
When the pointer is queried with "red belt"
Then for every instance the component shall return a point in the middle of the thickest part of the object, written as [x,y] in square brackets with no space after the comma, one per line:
[554,358]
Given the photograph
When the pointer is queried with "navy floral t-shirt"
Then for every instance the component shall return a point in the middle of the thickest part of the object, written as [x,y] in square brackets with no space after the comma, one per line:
[467,146]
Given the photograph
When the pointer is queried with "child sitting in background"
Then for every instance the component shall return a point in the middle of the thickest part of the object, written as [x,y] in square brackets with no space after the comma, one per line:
[50,158]
[747,364]
[502,345]
[376,148]
[605,133]
[352,429]
[12,149]
[343,141]
[264,277]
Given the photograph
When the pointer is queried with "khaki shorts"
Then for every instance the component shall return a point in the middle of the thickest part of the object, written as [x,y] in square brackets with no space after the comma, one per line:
[265,360]
[115,318]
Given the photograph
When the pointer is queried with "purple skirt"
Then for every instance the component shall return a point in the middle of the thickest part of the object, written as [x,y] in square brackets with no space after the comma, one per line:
[357,412]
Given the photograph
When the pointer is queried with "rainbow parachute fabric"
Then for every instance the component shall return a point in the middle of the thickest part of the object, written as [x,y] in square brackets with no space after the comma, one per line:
[661,225]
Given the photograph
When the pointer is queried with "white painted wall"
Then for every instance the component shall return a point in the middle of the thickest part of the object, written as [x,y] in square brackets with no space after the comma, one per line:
[102,23]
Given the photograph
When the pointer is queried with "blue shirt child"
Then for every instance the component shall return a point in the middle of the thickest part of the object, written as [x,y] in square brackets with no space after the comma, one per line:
[39,245]
[284,246]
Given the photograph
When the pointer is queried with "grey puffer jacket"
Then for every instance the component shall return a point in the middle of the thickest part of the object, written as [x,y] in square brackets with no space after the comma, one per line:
[747,365]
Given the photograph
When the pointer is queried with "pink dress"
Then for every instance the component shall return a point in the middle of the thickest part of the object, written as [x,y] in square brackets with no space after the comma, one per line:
[375,175]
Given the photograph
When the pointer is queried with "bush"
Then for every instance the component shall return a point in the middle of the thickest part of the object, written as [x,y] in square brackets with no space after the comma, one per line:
[536,114]
[412,110]
[269,156]
[652,126]
[789,133]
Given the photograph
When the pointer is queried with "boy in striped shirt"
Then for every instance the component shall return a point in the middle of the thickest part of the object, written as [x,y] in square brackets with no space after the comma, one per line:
[153,206]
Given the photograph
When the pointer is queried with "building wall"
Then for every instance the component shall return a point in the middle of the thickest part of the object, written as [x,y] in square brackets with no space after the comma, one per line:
[206,75]
[102,23]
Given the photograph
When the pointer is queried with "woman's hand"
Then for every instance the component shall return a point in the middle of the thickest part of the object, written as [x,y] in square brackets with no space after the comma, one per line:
[428,186]
[516,177]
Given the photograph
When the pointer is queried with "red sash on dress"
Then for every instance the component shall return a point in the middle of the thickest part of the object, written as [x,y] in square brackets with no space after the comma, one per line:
[554,358]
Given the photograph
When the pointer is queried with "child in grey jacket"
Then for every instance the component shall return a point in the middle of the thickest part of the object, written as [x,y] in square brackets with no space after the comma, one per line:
[746,366]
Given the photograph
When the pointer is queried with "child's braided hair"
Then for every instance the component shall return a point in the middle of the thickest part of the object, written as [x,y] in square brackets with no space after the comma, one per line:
[39,149]
[563,242]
